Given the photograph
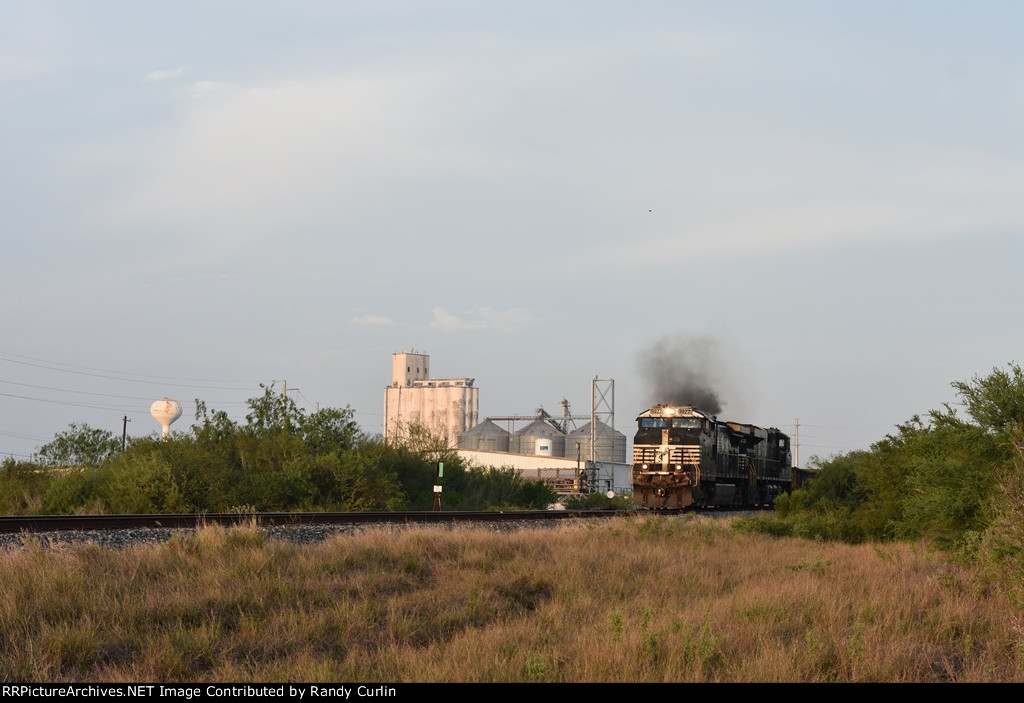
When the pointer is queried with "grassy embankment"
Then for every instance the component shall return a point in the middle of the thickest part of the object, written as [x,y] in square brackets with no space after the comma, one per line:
[632,599]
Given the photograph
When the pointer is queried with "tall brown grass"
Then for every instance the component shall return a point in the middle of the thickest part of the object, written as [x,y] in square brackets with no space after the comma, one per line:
[631,599]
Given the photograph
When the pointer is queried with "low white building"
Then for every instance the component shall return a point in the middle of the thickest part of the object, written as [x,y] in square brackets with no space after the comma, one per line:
[557,471]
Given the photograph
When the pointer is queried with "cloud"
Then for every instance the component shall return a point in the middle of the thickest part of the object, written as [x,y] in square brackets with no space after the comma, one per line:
[445,321]
[372,320]
[481,318]
[246,161]
[16,68]
[203,89]
[784,193]
[401,152]
[164,75]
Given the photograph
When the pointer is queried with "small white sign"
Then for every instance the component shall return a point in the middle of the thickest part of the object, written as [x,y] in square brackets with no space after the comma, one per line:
[437,489]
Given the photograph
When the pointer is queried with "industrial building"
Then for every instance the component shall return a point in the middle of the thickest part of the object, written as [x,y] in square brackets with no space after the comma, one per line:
[545,435]
[552,450]
[592,455]
[443,407]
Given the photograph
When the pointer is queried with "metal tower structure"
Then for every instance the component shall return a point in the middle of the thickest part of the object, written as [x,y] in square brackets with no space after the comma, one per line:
[568,419]
[602,424]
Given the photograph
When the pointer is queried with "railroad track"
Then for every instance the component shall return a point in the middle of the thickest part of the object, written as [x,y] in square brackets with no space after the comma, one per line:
[77,523]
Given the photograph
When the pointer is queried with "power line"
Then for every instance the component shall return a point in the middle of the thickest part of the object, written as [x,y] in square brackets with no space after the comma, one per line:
[105,395]
[23,456]
[23,436]
[309,403]
[121,378]
[117,408]
[123,373]
[851,429]
[816,436]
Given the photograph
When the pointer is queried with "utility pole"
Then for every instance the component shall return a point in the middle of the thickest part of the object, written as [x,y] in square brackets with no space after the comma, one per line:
[796,456]
[124,433]
[581,476]
[284,402]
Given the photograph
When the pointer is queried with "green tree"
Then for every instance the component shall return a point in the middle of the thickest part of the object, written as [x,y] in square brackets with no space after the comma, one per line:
[329,430]
[996,401]
[80,445]
[280,458]
[1001,547]
[271,413]
[212,428]
[181,474]
[22,486]
[935,477]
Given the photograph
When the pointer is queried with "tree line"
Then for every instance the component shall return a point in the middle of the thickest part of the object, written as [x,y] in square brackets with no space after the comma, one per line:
[281,458]
[955,480]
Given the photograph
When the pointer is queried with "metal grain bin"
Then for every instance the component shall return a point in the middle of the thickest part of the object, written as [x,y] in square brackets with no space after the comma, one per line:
[524,441]
[485,437]
[611,444]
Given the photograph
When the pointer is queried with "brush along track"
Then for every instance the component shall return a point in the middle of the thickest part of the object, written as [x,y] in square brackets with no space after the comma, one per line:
[121,531]
[77,523]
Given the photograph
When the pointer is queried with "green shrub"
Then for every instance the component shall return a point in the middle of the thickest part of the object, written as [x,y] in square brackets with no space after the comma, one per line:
[598,501]
[764,524]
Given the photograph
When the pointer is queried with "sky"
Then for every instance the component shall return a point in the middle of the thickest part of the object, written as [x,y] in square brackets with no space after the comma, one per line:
[198,198]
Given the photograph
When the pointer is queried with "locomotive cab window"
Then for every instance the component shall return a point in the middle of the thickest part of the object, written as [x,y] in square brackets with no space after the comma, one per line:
[653,423]
[688,423]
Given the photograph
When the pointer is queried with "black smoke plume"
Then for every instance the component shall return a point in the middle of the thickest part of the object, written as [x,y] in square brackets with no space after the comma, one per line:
[684,371]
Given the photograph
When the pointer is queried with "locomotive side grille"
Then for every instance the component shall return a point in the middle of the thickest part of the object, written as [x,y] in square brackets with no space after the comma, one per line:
[645,455]
[688,455]
[691,455]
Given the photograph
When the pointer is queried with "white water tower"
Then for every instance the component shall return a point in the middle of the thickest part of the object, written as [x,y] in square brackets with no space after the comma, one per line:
[165,411]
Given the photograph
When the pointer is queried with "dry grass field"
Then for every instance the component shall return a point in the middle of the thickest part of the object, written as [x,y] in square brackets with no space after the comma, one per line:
[629,599]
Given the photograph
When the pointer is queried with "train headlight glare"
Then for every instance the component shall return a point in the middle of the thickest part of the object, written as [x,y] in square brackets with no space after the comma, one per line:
[644,467]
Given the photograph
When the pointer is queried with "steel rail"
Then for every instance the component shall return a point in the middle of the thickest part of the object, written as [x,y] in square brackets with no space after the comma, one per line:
[76,523]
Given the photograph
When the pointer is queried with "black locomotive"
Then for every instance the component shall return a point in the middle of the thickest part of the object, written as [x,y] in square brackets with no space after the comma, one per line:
[683,456]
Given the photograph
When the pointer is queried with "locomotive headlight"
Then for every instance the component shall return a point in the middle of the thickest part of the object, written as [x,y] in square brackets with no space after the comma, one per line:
[644,467]
[679,467]
[670,411]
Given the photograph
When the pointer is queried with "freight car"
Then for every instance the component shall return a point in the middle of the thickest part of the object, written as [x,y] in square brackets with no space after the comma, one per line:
[683,456]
